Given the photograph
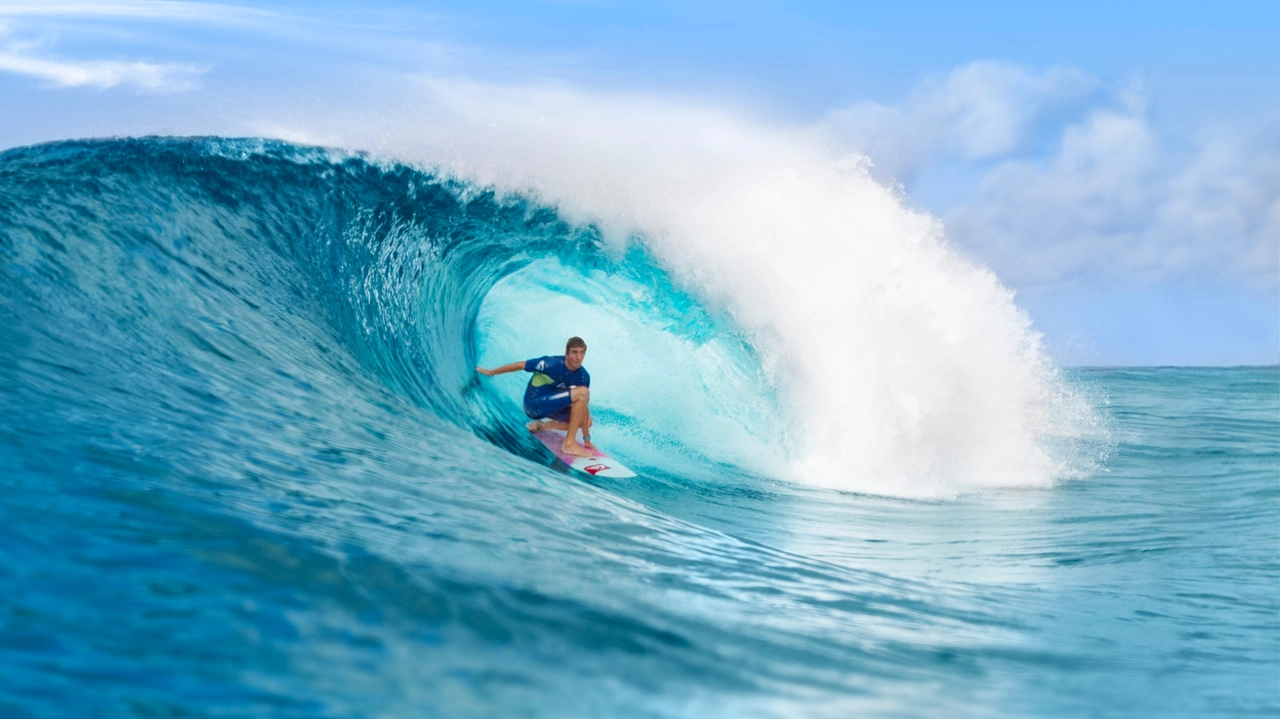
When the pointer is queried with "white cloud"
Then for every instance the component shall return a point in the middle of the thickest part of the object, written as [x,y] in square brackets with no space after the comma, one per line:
[1116,206]
[1114,203]
[978,111]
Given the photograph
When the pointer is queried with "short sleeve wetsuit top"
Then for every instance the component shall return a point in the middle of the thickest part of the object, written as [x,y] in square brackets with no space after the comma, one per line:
[547,395]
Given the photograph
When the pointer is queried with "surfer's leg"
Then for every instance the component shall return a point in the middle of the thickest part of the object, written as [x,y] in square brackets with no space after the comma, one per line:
[548,412]
[553,424]
[579,417]
[558,419]
[586,430]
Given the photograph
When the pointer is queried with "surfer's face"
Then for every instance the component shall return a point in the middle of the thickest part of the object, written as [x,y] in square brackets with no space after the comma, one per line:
[573,358]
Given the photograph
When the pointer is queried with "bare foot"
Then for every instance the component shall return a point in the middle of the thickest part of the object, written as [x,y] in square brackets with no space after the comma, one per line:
[535,426]
[570,447]
[587,443]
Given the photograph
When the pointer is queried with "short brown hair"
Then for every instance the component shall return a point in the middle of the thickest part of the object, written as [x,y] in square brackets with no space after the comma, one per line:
[574,342]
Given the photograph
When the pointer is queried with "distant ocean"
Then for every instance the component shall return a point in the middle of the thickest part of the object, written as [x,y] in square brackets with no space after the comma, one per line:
[247,470]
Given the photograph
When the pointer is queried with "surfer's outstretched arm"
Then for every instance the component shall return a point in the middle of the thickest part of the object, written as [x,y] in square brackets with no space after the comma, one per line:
[504,369]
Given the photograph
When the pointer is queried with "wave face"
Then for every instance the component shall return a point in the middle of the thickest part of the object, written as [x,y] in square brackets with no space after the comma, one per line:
[249,470]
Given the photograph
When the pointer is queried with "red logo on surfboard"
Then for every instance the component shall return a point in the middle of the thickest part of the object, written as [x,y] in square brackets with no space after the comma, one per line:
[593,468]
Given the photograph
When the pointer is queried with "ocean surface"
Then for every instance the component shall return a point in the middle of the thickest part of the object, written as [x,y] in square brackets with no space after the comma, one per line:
[247,470]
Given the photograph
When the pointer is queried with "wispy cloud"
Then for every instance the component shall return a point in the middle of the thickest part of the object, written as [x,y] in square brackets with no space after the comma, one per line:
[74,25]
[152,77]
[138,10]
[32,58]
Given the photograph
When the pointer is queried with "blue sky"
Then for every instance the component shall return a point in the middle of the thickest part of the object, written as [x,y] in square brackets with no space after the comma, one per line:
[1119,167]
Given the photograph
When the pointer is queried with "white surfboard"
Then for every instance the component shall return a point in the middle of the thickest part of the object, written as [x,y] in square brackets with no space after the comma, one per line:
[598,465]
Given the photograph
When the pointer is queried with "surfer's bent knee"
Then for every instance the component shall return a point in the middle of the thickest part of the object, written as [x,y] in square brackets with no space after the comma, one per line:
[580,393]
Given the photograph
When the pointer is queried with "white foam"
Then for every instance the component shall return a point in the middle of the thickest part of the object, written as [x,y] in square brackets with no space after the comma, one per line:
[907,368]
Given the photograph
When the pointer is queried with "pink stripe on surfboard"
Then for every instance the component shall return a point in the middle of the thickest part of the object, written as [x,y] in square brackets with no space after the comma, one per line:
[553,439]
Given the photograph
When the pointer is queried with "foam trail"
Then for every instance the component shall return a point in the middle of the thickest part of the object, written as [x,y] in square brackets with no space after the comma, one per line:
[905,368]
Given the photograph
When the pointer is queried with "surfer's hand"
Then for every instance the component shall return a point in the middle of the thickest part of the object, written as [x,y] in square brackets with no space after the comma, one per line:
[485,372]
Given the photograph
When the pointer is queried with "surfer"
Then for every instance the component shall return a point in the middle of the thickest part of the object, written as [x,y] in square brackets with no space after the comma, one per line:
[558,394]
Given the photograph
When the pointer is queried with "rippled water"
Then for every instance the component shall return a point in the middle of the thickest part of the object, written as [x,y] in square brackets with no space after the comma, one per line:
[247,472]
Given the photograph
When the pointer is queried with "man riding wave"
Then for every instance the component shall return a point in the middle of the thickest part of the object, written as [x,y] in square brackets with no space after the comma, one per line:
[558,394]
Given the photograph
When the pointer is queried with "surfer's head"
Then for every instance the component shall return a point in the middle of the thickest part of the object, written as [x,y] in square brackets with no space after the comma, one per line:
[575,350]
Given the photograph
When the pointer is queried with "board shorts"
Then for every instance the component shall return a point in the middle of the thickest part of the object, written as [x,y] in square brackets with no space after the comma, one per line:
[553,406]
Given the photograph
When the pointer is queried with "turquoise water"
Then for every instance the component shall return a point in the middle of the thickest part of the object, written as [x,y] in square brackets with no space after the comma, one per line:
[247,471]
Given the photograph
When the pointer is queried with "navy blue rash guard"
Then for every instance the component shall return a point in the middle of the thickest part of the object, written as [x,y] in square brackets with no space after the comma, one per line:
[548,392]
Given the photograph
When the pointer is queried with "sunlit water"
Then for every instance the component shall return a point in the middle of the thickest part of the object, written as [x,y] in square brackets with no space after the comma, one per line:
[247,471]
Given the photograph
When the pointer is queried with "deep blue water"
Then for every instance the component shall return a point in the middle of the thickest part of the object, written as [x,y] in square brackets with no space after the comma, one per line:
[247,471]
